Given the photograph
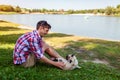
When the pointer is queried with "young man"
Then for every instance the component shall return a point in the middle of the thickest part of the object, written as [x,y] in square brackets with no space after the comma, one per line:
[30,48]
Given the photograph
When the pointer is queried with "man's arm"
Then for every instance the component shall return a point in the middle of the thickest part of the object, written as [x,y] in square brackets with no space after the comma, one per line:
[50,50]
[57,64]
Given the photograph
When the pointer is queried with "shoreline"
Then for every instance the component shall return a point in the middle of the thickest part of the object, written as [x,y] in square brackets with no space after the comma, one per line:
[83,37]
[26,27]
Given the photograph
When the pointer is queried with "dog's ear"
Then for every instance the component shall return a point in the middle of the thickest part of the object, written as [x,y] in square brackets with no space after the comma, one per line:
[73,55]
[67,57]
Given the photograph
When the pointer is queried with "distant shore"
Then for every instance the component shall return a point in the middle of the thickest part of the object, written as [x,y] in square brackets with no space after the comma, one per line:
[90,14]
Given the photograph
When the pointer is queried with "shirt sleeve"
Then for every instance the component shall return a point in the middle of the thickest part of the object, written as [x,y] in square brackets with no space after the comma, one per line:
[35,47]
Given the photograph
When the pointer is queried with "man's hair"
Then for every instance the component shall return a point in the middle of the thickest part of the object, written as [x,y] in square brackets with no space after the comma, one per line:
[43,23]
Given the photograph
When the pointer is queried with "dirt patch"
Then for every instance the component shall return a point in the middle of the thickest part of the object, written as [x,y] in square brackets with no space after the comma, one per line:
[97,61]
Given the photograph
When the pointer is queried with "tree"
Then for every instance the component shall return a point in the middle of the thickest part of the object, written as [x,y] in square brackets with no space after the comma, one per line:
[6,8]
[95,11]
[118,6]
[109,10]
[17,9]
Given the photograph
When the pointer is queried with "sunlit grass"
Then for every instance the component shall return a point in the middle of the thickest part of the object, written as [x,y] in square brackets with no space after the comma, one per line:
[6,23]
[84,48]
[6,46]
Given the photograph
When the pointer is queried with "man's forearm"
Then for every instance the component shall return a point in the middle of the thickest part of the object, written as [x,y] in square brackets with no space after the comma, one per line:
[52,52]
[57,64]
[46,60]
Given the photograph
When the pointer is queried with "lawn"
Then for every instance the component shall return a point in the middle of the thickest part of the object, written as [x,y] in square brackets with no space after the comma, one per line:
[99,59]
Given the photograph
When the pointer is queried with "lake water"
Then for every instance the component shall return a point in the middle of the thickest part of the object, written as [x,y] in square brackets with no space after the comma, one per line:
[102,27]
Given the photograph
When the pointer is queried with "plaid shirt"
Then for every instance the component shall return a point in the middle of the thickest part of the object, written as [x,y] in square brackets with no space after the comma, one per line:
[26,44]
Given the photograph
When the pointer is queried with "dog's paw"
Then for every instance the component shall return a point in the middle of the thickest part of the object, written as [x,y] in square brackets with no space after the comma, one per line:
[78,67]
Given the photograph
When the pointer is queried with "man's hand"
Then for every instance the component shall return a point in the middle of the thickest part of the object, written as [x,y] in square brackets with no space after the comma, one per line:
[57,64]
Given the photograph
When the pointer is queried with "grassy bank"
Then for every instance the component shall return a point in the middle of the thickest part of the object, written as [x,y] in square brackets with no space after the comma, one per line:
[99,59]
[1,12]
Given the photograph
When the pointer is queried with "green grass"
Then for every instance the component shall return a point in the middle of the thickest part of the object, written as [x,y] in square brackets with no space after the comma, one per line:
[84,48]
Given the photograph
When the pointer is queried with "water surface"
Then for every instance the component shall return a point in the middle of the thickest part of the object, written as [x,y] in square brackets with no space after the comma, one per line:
[102,27]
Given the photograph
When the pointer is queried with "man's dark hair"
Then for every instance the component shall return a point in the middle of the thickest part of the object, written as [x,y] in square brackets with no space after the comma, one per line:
[43,23]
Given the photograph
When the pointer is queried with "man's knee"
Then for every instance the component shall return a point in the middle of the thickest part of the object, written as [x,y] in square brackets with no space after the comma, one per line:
[45,46]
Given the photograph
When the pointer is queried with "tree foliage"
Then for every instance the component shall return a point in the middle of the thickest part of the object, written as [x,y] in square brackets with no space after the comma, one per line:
[6,8]
[107,11]
[17,9]
[9,8]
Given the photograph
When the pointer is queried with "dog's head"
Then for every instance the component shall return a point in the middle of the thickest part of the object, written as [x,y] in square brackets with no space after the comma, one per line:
[71,58]
[71,62]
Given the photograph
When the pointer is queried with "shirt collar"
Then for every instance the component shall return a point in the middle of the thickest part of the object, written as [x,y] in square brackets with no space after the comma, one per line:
[38,34]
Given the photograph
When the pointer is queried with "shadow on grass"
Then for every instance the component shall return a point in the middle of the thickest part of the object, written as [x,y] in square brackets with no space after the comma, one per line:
[57,35]
[6,57]
[13,37]
[9,38]
[8,28]
[18,72]
[96,51]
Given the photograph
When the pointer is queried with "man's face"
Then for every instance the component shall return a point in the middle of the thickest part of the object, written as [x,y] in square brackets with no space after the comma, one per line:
[43,31]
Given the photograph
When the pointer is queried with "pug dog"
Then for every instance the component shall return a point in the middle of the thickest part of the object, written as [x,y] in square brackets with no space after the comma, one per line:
[70,62]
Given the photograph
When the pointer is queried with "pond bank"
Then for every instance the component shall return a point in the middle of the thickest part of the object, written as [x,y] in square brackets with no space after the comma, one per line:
[87,49]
